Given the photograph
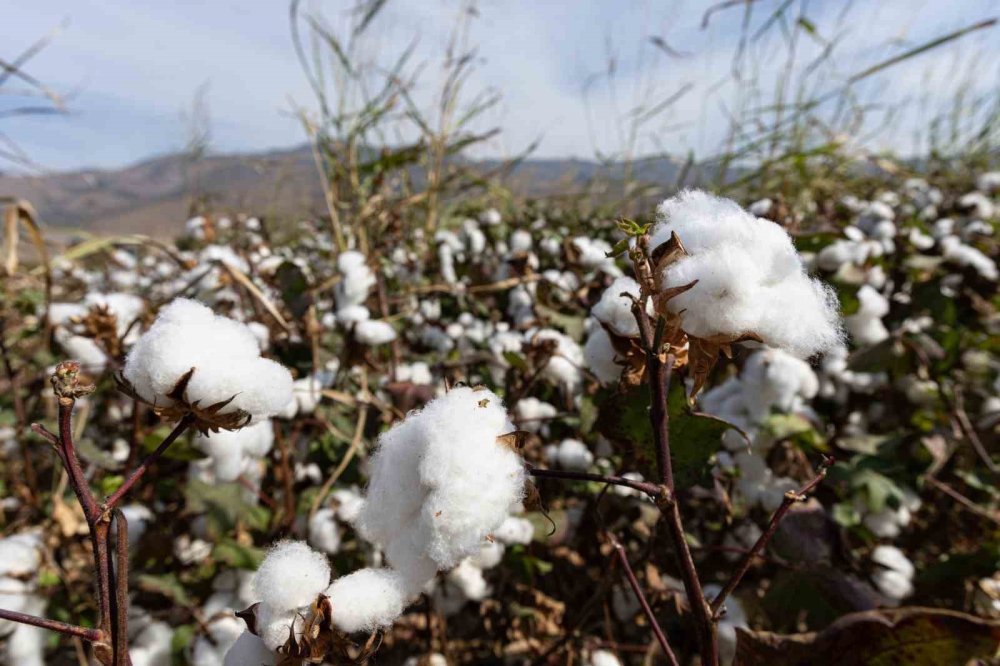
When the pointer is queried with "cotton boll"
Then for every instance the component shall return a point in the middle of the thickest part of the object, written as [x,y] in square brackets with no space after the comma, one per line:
[20,554]
[865,325]
[532,414]
[349,503]
[291,576]
[570,454]
[956,252]
[515,530]
[357,279]
[352,314]
[895,578]
[600,357]
[491,217]
[210,650]
[433,659]
[152,646]
[323,531]
[469,579]
[440,483]
[774,379]
[563,366]
[520,241]
[602,658]
[615,310]
[374,333]
[748,277]
[593,255]
[248,650]
[224,353]
[368,599]
[490,554]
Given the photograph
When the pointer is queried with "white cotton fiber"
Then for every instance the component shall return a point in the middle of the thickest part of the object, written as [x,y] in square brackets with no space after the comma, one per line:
[229,448]
[224,353]
[368,599]
[210,650]
[291,576]
[571,454]
[323,531]
[440,483]
[615,310]
[600,356]
[515,530]
[564,365]
[603,658]
[372,332]
[249,650]
[749,277]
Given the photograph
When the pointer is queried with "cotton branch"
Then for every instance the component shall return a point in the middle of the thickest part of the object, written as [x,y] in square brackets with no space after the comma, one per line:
[659,372]
[650,489]
[791,497]
[641,597]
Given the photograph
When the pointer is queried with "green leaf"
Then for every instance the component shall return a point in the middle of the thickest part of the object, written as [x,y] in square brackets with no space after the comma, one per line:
[237,555]
[515,360]
[694,437]
[166,584]
[294,288]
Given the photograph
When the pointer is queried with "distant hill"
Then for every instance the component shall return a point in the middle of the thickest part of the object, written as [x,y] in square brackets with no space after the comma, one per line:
[152,196]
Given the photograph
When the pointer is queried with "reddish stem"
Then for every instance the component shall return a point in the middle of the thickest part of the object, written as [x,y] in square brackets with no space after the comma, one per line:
[650,489]
[637,590]
[112,500]
[791,498]
[76,477]
[92,635]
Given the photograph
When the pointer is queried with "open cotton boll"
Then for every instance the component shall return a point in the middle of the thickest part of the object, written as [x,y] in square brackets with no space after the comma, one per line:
[469,579]
[533,415]
[565,363]
[352,314]
[225,356]
[602,658]
[953,250]
[490,554]
[324,533]
[21,554]
[152,646]
[749,277]
[592,254]
[774,379]
[615,310]
[440,483]
[571,454]
[367,599]
[26,644]
[211,650]
[515,530]
[374,333]
[138,518]
[348,503]
[865,326]
[600,356]
[292,575]
[356,279]
[249,650]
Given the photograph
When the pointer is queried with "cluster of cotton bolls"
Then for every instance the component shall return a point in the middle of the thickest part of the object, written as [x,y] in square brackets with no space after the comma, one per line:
[20,558]
[747,277]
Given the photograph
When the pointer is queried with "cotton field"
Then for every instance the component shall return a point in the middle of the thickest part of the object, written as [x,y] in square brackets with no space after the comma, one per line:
[524,437]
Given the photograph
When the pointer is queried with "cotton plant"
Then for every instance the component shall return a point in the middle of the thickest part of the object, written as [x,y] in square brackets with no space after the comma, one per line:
[232,450]
[612,345]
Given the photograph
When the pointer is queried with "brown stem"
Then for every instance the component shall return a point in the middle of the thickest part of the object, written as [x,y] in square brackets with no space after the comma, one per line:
[92,635]
[650,489]
[659,373]
[100,533]
[963,501]
[112,500]
[791,497]
[120,600]
[637,590]
[76,477]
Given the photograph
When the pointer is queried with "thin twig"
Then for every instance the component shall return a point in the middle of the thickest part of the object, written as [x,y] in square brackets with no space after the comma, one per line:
[963,500]
[650,489]
[791,497]
[85,633]
[112,500]
[637,590]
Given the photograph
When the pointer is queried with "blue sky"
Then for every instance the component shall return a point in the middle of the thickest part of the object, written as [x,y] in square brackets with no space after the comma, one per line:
[131,69]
